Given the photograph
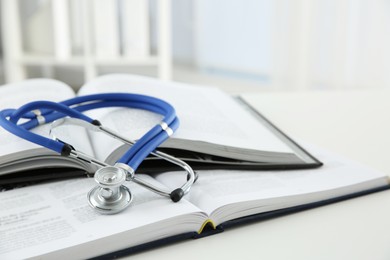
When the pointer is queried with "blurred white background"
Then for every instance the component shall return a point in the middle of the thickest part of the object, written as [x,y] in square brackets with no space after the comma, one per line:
[238,45]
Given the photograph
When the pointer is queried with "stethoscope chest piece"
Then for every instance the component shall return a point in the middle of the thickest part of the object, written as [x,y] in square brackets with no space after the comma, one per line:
[110,196]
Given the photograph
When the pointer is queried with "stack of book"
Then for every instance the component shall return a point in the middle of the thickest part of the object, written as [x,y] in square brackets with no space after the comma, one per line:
[248,170]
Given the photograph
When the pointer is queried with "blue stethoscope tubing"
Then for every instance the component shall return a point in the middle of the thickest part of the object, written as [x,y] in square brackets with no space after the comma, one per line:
[41,112]
[50,111]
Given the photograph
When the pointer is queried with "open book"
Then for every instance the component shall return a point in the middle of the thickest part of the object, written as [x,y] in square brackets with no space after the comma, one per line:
[216,131]
[54,220]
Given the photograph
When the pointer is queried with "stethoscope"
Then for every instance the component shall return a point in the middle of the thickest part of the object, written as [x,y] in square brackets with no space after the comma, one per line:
[110,195]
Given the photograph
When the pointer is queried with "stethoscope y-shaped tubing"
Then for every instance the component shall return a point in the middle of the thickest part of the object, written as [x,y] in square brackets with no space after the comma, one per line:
[124,100]
[134,156]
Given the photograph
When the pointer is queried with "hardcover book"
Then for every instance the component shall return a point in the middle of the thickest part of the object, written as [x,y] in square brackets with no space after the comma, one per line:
[216,131]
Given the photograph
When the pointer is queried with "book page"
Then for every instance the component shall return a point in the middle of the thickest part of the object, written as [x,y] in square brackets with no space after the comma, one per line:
[17,94]
[227,195]
[54,220]
[205,114]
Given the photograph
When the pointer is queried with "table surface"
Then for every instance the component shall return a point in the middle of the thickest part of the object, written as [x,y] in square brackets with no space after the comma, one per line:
[354,124]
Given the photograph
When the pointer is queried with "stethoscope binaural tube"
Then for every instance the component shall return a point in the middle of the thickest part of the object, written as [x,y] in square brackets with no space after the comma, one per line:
[40,112]
[191,175]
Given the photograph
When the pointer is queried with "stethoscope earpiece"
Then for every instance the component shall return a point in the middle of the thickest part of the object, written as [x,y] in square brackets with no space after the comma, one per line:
[110,196]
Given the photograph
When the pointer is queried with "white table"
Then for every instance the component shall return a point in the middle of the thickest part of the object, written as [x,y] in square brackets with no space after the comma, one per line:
[355,124]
